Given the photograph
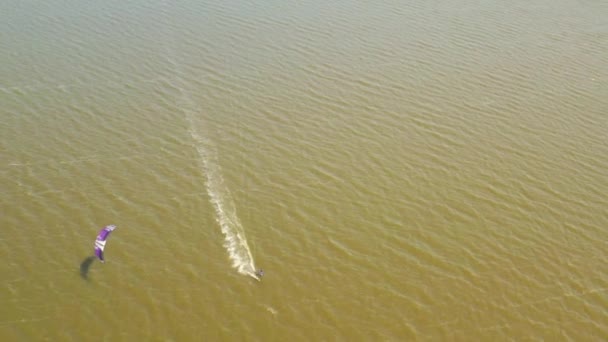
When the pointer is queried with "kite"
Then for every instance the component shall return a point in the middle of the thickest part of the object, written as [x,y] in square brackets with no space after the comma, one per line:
[100,242]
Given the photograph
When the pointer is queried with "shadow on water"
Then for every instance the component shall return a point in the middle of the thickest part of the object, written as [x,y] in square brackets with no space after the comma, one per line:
[85,265]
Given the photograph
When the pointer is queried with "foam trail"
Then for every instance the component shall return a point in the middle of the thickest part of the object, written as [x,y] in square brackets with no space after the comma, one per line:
[225,210]
[226,216]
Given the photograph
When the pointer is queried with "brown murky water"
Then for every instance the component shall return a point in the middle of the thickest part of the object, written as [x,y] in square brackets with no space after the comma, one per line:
[402,170]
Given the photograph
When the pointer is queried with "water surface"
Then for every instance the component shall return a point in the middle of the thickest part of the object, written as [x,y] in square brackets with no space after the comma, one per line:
[422,170]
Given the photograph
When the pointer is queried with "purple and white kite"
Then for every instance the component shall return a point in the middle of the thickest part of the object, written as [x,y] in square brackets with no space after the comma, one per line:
[100,242]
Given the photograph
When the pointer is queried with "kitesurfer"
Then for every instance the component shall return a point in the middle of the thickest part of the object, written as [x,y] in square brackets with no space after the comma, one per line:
[259,273]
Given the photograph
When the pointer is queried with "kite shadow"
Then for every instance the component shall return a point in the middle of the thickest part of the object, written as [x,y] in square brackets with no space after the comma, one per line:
[85,265]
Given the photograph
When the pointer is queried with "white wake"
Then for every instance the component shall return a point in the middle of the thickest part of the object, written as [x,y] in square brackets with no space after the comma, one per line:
[226,216]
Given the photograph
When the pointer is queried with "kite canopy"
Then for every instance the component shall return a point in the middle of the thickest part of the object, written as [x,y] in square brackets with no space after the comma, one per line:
[100,242]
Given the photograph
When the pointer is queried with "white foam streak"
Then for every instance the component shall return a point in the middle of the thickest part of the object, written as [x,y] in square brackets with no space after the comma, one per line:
[219,194]
[225,210]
